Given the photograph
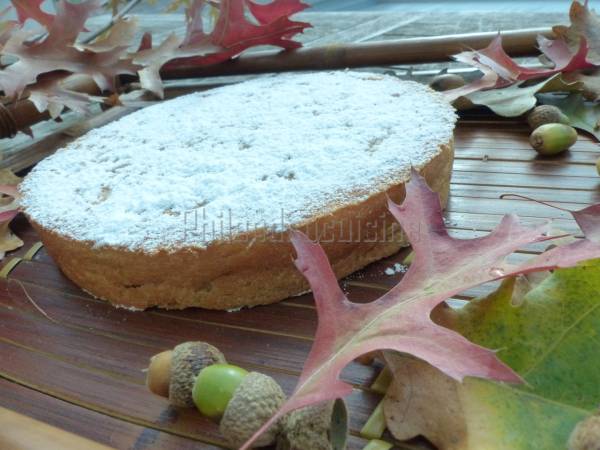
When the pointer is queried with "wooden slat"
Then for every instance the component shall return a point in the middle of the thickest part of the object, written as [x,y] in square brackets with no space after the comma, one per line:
[90,424]
[84,363]
[19,432]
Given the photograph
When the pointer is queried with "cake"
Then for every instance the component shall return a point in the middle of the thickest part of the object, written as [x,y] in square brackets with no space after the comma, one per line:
[188,202]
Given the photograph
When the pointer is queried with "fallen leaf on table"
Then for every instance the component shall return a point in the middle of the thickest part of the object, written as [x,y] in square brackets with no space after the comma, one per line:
[120,35]
[56,52]
[9,208]
[6,27]
[517,99]
[32,9]
[8,177]
[52,96]
[8,240]
[557,51]
[591,83]
[400,320]
[582,115]
[585,24]
[237,26]
[551,338]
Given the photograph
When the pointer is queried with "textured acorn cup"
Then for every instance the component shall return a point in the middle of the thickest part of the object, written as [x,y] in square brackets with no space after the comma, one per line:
[553,138]
[586,435]
[544,114]
[256,400]
[446,82]
[318,427]
[171,374]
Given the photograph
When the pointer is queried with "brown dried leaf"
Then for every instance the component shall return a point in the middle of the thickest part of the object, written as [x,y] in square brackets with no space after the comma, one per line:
[56,52]
[591,83]
[8,240]
[584,23]
[51,94]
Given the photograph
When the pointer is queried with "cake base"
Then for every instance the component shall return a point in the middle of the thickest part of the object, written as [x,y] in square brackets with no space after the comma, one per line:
[257,270]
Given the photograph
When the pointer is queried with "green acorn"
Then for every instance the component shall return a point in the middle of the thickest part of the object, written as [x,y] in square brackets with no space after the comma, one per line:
[553,138]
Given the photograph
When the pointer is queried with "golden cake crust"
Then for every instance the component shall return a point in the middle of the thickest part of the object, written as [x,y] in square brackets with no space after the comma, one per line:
[255,270]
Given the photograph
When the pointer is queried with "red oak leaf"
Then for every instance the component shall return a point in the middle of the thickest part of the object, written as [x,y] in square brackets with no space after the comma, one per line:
[584,24]
[233,33]
[495,59]
[400,320]
[57,51]
[6,27]
[32,9]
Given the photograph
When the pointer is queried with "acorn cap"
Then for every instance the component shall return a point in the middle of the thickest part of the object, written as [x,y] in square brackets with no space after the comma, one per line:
[586,434]
[545,114]
[256,400]
[187,360]
[318,427]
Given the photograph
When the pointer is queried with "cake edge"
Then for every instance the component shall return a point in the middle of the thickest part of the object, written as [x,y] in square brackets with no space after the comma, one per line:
[230,275]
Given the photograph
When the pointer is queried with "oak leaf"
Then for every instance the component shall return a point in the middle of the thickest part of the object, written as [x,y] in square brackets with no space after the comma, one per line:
[9,208]
[233,31]
[400,320]
[517,99]
[57,51]
[32,9]
[585,25]
[582,115]
[550,337]
[51,95]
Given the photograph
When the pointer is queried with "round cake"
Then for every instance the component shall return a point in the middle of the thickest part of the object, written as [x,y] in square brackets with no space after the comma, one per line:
[188,202]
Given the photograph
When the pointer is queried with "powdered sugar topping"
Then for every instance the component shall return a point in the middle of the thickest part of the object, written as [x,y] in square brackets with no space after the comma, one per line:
[270,152]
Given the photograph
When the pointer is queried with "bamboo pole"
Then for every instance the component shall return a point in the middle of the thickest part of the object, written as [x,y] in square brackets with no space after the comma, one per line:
[20,115]
[380,53]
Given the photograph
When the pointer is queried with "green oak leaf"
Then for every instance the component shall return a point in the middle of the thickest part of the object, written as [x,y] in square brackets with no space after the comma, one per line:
[519,98]
[582,115]
[549,334]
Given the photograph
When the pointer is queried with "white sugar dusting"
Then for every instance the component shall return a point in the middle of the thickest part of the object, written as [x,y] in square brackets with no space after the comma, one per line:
[395,269]
[273,151]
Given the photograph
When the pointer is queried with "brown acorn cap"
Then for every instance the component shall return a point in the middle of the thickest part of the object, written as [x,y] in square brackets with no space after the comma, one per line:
[318,427]
[187,361]
[254,402]
[586,434]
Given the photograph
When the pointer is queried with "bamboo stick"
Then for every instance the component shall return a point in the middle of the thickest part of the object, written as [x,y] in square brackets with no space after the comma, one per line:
[380,53]
[20,115]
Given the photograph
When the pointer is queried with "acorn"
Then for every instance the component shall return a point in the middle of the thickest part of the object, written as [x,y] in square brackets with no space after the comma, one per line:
[446,82]
[586,434]
[598,166]
[172,373]
[318,427]
[544,114]
[553,138]
[257,398]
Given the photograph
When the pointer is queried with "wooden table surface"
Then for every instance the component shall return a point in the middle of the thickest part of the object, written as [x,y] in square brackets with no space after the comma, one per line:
[80,366]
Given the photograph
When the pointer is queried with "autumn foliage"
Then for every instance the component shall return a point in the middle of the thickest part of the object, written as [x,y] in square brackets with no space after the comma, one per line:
[42,59]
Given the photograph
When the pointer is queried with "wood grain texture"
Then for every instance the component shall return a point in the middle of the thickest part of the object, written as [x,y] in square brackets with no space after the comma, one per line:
[86,361]
[20,432]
